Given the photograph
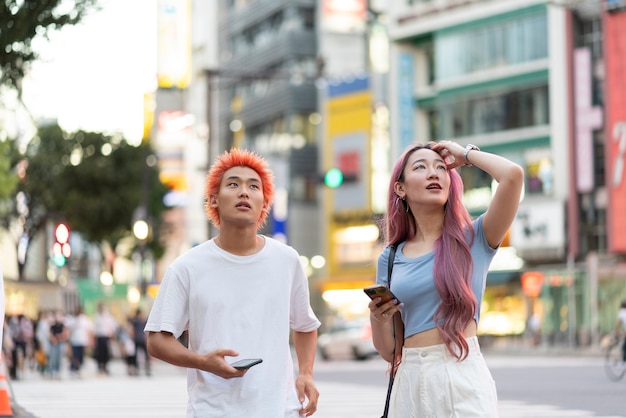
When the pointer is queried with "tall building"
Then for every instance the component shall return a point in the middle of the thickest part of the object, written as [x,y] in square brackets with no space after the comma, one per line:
[522,79]
[264,98]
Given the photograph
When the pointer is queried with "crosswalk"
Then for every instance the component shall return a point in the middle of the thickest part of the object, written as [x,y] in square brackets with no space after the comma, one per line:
[164,395]
[342,400]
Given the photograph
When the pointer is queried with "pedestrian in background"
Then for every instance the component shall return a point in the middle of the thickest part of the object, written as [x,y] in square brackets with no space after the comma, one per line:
[239,295]
[105,327]
[620,326]
[58,336]
[439,275]
[138,323]
[81,338]
[42,340]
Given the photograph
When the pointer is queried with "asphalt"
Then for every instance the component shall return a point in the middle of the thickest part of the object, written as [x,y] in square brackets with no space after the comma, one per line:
[511,348]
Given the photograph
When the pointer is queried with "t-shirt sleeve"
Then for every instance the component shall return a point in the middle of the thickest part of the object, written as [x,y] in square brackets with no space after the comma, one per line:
[301,318]
[480,238]
[170,311]
[381,268]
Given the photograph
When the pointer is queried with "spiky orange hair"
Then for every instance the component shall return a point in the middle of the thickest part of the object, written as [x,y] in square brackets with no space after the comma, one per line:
[238,158]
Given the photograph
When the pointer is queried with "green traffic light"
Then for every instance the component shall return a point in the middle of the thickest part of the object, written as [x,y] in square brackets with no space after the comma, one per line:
[333,178]
[59,260]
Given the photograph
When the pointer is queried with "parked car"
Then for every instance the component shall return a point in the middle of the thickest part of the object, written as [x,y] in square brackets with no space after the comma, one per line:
[347,340]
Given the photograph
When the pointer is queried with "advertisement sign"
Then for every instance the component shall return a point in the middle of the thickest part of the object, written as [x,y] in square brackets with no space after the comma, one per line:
[173,44]
[615,92]
[347,16]
[539,228]
[348,133]
[588,119]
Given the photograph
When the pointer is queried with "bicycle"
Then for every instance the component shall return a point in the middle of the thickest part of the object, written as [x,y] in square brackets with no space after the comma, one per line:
[614,364]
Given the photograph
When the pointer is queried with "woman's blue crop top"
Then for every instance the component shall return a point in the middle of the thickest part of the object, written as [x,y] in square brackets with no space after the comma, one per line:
[413,283]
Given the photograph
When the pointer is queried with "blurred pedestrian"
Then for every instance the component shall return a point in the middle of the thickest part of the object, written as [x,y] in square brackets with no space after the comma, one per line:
[105,327]
[58,337]
[128,348]
[620,326]
[439,274]
[81,338]
[138,323]
[238,295]
[42,340]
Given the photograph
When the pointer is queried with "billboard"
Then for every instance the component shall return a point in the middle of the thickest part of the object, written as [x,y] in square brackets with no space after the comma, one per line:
[173,43]
[615,136]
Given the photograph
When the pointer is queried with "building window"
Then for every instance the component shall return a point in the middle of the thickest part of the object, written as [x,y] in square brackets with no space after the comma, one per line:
[491,45]
[487,114]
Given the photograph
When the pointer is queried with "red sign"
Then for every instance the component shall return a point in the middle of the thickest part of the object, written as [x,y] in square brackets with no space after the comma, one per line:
[532,282]
[615,91]
[349,162]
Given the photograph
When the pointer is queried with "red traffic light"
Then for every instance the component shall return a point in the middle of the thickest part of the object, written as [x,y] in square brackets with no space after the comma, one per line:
[62,234]
[61,249]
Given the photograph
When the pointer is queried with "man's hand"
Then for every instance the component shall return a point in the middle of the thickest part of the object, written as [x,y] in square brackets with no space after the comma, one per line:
[214,362]
[307,391]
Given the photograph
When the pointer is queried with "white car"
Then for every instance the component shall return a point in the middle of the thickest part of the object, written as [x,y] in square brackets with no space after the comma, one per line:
[348,340]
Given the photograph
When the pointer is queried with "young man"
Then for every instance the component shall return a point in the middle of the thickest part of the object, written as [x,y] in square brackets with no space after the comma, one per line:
[238,295]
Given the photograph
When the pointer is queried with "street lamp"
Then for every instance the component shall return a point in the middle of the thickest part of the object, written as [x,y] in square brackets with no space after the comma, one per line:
[141,232]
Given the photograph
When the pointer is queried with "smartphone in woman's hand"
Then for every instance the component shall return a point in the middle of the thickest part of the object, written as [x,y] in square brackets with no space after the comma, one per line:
[380,291]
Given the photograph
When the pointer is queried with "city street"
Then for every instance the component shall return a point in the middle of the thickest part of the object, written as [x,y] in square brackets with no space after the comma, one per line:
[529,386]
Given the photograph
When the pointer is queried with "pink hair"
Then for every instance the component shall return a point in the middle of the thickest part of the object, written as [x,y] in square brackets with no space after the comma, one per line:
[453,260]
[238,158]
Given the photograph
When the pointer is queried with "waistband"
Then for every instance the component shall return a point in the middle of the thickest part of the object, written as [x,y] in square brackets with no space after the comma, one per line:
[437,352]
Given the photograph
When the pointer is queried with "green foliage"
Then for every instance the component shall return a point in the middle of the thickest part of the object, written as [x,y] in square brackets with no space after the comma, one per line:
[92,181]
[21,21]
[8,177]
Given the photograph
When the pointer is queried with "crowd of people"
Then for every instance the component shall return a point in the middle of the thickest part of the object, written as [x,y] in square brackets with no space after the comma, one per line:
[54,338]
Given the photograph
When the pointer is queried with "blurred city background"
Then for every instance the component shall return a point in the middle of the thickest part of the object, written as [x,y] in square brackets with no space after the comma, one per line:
[109,119]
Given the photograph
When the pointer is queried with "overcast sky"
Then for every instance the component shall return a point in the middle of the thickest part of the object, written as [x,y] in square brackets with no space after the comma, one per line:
[93,76]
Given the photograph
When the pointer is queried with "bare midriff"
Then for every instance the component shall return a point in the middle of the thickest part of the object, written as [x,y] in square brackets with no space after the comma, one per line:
[432,337]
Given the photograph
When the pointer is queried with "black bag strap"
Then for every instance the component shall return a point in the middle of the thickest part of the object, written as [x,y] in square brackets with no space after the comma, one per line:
[392,257]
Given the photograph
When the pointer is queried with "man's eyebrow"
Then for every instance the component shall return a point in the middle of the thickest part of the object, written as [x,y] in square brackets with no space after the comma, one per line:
[239,178]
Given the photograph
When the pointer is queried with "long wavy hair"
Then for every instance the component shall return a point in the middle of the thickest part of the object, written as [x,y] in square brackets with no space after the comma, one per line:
[238,158]
[453,260]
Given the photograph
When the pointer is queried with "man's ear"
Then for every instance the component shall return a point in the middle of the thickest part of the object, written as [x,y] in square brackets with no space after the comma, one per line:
[213,201]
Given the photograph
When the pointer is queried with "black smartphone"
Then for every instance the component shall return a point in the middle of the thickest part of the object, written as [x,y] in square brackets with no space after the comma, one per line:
[380,291]
[246,363]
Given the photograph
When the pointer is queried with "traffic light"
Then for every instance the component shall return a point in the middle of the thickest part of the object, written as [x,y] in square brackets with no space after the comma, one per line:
[334,178]
[61,249]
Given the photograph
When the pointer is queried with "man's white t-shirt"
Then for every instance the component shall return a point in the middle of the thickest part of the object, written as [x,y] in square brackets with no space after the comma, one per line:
[246,303]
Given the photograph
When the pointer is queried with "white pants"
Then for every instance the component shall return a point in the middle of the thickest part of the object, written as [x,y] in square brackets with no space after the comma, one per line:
[431,383]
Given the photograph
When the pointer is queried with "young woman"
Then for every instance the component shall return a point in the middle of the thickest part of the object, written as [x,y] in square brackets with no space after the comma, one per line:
[439,274]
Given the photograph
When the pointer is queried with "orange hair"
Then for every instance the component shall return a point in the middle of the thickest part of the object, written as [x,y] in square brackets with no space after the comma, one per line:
[238,158]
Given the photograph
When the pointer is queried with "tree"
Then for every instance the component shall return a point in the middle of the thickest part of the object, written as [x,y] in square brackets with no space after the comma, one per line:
[92,181]
[21,21]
